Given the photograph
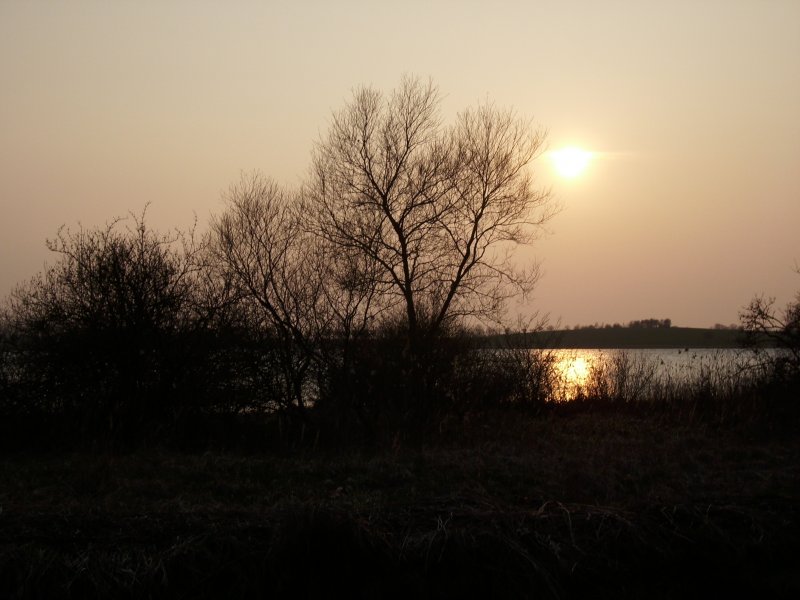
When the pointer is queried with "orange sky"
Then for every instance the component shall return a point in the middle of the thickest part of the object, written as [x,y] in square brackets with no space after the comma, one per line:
[691,207]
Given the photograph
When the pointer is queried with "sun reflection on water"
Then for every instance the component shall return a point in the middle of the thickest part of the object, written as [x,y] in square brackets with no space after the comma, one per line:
[573,369]
[630,373]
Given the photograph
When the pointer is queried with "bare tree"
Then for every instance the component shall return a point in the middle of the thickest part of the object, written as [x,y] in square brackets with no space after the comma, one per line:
[763,322]
[401,220]
[309,297]
[256,242]
[437,210]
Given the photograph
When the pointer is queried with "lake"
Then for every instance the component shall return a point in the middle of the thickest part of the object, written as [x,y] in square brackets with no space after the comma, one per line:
[627,371]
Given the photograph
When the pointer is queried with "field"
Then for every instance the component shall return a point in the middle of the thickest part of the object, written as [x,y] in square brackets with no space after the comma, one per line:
[575,502]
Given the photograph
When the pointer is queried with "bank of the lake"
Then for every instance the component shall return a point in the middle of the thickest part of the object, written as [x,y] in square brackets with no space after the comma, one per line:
[622,337]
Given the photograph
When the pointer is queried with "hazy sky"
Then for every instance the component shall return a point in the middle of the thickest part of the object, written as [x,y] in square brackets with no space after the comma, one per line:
[691,207]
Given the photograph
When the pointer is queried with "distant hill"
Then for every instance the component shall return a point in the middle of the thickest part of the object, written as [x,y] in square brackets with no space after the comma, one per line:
[623,337]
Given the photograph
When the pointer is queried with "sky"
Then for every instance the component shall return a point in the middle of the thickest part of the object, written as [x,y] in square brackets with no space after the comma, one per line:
[689,207]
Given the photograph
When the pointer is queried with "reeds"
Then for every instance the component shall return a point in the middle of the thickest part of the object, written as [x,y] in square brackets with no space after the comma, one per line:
[722,388]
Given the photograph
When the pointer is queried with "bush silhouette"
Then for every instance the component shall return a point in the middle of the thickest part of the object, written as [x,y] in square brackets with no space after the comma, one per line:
[104,334]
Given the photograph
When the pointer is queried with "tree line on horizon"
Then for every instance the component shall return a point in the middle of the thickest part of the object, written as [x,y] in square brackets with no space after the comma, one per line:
[636,324]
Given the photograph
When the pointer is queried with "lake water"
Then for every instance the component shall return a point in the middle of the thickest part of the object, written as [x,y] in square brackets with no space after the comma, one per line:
[635,371]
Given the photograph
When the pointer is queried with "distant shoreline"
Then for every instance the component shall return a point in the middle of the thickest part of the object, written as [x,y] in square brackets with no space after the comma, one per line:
[622,337]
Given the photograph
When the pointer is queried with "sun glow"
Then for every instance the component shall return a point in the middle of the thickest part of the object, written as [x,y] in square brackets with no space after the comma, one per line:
[573,369]
[570,162]
[576,370]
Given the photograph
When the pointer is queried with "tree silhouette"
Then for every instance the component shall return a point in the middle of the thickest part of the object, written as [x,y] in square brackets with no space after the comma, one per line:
[99,331]
[437,210]
[762,321]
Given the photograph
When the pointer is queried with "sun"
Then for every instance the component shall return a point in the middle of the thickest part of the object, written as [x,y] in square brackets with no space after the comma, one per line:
[570,162]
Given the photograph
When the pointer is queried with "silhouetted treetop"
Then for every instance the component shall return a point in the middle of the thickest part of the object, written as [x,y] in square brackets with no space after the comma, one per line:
[436,210]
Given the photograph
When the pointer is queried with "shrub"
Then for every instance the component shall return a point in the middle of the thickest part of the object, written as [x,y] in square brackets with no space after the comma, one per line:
[109,333]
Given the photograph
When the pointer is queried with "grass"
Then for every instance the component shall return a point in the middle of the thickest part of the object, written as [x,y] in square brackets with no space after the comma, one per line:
[578,502]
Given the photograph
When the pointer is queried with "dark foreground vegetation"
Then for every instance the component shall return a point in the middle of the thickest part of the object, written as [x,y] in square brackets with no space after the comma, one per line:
[579,502]
[295,403]
[630,490]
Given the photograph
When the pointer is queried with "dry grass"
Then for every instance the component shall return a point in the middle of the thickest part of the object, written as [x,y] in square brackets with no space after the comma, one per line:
[619,505]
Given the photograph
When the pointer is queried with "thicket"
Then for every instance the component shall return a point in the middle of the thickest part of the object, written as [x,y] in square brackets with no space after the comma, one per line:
[340,311]
[132,336]
[339,307]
